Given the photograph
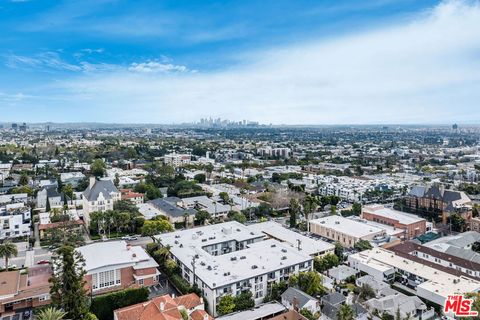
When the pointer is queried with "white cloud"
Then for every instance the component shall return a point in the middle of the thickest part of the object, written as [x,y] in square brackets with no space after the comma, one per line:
[421,70]
[156,67]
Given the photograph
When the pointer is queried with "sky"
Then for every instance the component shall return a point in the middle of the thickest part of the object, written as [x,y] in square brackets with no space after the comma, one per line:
[272,61]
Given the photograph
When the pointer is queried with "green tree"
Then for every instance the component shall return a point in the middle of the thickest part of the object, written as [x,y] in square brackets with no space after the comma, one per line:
[309,282]
[151,192]
[125,206]
[345,313]
[202,216]
[67,283]
[226,305]
[225,197]
[244,301]
[308,314]
[98,168]
[362,245]
[23,180]
[153,227]
[237,216]
[339,251]
[68,190]
[294,210]
[7,251]
[357,208]
[184,314]
[51,313]
[310,204]
[458,223]
[276,290]
[200,178]
[366,292]
[328,261]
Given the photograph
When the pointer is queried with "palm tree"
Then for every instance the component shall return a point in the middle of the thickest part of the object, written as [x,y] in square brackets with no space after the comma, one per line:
[8,250]
[51,313]
[310,204]
[345,313]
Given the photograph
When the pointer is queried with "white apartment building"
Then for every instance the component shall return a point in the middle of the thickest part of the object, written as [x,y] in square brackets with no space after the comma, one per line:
[346,231]
[430,284]
[99,196]
[229,258]
[14,221]
[274,152]
[274,230]
[177,160]
[73,178]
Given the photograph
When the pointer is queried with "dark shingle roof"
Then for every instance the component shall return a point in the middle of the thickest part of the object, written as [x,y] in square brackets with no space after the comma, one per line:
[106,187]
[302,298]
[334,298]
[169,207]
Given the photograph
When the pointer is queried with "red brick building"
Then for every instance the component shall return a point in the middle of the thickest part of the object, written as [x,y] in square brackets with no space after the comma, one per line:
[24,290]
[412,225]
[114,265]
[440,201]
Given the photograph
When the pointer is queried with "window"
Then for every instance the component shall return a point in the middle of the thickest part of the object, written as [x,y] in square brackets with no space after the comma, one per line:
[44,297]
[140,282]
[106,279]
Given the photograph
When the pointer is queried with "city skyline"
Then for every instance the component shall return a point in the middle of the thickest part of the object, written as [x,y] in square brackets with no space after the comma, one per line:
[280,62]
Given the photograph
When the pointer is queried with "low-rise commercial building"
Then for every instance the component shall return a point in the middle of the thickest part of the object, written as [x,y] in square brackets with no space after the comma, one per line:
[346,231]
[428,283]
[412,225]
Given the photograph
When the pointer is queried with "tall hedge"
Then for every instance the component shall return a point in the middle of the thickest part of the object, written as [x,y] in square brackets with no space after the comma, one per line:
[103,306]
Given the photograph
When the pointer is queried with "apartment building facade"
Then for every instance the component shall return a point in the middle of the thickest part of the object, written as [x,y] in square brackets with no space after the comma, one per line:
[228,259]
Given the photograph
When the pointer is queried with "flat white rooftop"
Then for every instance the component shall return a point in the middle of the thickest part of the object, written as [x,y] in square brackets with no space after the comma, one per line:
[258,258]
[288,237]
[391,231]
[440,282]
[114,253]
[347,226]
[401,217]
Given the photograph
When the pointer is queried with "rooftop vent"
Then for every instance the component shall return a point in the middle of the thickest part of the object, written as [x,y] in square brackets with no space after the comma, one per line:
[233,258]
[242,257]
[254,266]
[284,250]
[226,274]
[273,245]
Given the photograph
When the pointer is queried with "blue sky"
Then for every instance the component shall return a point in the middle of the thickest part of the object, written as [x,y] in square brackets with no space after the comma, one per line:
[273,61]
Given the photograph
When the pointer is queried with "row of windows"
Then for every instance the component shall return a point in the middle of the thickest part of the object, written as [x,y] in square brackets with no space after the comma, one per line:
[106,279]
